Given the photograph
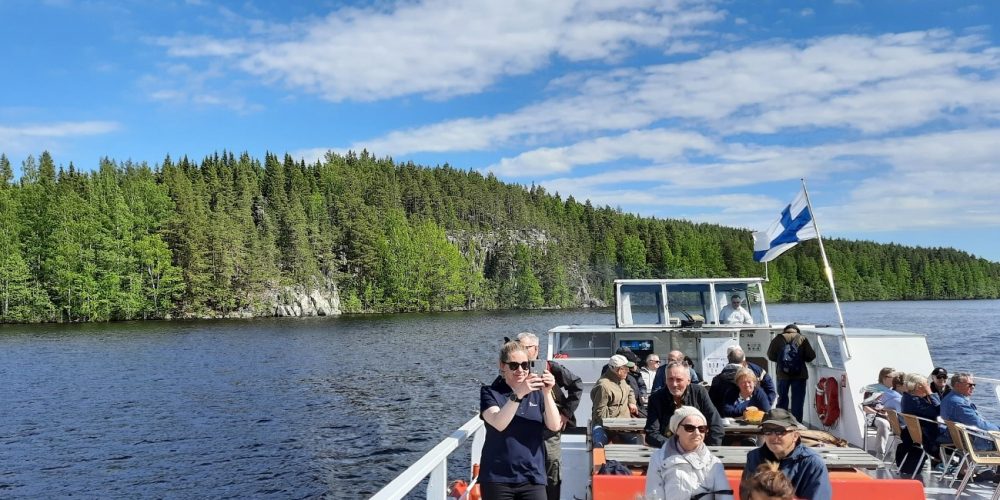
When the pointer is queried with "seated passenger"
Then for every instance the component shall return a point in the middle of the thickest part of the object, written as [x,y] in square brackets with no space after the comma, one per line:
[803,467]
[939,382]
[957,406]
[661,375]
[725,382]
[612,398]
[876,408]
[680,392]
[768,483]
[683,467]
[734,313]
[749,395]
[920,401]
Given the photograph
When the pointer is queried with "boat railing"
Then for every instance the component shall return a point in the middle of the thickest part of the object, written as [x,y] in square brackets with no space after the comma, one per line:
[434,464]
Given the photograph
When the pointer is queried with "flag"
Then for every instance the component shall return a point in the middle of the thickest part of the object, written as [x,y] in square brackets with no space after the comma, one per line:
[795,224]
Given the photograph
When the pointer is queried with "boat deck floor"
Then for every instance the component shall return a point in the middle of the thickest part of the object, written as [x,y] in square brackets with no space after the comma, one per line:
[576,465]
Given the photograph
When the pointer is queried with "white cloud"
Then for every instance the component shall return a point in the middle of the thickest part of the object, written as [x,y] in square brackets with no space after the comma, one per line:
[443,48]
[30,138]
[869,84]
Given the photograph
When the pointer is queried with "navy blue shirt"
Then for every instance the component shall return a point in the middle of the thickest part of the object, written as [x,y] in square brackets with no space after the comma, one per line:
[516,455]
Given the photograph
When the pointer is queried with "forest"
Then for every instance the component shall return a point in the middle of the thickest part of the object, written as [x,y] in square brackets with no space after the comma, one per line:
[230,234]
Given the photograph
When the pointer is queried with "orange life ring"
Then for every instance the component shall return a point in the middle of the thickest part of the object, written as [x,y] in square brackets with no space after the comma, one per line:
[828,401]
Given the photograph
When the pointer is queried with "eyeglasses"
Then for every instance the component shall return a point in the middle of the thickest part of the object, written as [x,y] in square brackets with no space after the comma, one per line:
[703,429]
[514,365]
[774,432]
[941,377]
[530,347]
[971,384]
[655,361]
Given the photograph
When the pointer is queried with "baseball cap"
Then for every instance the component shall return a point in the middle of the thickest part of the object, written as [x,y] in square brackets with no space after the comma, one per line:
[618,361]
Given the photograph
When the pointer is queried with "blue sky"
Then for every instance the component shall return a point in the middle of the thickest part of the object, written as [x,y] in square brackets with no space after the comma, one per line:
[703,110]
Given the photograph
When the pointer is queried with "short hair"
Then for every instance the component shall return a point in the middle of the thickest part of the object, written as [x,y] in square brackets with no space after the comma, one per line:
[678,364]
[958,377]
[526,335]
[650,355]
[745,373]
[510,348]
[678,352]
[736,355]
[885,372]
[768,480]
[912,380]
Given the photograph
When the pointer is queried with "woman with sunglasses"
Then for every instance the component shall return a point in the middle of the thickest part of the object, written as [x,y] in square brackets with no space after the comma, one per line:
[517,408]
[684,468]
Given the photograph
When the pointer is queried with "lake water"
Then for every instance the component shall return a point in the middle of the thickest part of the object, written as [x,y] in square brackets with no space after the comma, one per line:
[304,408]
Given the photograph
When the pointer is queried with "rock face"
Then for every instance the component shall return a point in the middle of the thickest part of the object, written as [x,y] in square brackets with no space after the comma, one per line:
[302,302]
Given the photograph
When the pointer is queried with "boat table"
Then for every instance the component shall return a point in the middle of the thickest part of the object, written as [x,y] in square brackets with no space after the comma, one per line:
[630,424]
[736,456]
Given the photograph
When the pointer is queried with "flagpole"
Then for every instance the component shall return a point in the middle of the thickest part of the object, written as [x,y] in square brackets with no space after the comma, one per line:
[827,270]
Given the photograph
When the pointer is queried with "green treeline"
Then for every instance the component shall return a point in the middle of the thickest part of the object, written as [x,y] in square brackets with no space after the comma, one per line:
[230,235]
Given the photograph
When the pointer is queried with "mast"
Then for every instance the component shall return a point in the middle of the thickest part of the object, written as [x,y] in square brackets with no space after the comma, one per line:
[828,272]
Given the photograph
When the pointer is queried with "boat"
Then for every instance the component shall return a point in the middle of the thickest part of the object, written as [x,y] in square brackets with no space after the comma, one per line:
[661,315]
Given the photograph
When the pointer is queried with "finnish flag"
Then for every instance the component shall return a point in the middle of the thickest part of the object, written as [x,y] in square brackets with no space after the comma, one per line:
[795,224]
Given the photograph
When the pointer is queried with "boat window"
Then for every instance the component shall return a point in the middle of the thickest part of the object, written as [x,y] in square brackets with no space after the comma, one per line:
[586,345]
[832,346]
[748,292]
[688,303]
[640,305]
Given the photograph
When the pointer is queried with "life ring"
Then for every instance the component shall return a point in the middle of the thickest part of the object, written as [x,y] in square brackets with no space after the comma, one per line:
[828,401]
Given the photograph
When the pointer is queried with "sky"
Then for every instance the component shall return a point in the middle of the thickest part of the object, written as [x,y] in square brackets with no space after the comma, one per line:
[709,111]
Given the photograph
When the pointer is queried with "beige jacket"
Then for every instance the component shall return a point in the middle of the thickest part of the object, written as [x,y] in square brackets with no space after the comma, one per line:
[610,398]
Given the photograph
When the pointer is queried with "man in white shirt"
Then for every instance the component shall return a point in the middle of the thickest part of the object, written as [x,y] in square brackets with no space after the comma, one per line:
[734,313]
[648,370]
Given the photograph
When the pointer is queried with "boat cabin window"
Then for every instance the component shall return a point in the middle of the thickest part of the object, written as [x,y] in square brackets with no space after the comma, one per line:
[750,293]
[640,304]
[586,345]
[689,304]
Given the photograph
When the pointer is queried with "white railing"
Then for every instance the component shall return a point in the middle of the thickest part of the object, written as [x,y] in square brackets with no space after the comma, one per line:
[435,464]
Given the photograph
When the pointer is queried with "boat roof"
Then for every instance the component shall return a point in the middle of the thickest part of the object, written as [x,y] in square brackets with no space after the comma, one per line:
[832,331]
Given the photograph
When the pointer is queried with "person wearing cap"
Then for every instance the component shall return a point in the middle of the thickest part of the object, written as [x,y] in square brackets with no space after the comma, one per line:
[678,393]
[612,397]
[683,467]
[517,409]
[803,467]
[939,382]
[734,313]
[634,379]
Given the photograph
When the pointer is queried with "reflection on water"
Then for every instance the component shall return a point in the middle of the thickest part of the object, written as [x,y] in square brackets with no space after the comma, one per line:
[299,408]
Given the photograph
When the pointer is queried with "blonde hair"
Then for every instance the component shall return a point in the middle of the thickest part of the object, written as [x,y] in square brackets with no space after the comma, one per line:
[510,348]
[912,380]
[769,481]
[743,373]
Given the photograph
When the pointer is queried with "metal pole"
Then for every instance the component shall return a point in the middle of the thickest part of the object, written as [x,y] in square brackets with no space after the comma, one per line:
[828,271]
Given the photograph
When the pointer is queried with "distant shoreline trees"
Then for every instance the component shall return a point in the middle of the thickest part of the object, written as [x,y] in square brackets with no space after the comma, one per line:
[220,236]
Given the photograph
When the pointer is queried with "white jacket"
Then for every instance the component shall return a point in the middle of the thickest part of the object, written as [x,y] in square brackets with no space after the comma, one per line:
[674,475]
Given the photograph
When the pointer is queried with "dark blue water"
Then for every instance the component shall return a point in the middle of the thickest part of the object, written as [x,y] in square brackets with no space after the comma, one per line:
[307,408]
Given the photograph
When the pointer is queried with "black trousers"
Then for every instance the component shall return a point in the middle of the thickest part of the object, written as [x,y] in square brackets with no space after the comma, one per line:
[511,491]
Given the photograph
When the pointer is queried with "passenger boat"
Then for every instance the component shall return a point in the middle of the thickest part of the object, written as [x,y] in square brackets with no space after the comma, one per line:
[661,315]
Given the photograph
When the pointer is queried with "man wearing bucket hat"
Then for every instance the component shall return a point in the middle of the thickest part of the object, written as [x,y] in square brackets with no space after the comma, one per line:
[803,467]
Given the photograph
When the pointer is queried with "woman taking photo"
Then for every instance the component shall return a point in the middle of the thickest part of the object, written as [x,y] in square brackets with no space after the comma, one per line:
[517,408]
[683,467]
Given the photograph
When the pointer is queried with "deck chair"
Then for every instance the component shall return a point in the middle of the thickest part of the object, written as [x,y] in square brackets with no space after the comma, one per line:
[959,451]
[986,458]
[897,434]
[917,436]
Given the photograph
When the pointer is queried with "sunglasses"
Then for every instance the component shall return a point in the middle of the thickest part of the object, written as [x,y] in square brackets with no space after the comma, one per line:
[691,428]
[970,384]
[941,377]
[774,432]
[514,365]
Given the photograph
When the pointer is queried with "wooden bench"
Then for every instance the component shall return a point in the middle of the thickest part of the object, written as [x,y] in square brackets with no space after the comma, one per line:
[736,456]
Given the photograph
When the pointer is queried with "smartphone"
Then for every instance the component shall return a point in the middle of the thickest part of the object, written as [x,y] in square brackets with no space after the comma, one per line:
[538,367]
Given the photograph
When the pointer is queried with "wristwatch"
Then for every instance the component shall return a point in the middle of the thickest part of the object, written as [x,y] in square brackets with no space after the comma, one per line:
[513,397]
